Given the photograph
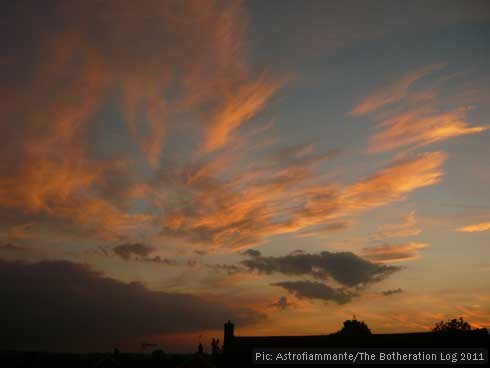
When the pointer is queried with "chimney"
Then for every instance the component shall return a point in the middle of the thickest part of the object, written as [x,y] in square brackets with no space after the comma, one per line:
[228,340]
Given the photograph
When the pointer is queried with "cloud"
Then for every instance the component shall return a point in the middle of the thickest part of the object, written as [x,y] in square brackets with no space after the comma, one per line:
[392,92]
[282,303]
[323,229]
[237,211]
[216,181]
[158,259]
[230,269]
[67,306]
[421,117]
[252,253]
[241,211]
[483,226]
[186,59]
[9,247]
[223,191]
[16,231]
[391,292]
[142,252]
[127,250]
[316,290]
[407,227]
[240,105]
[420,127]
[345,268]
[393,182]
[390,253]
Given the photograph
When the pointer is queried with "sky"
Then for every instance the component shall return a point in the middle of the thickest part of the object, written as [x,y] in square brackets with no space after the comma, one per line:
[171,165]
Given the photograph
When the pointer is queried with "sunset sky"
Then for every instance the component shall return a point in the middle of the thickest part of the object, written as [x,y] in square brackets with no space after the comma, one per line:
[169,165]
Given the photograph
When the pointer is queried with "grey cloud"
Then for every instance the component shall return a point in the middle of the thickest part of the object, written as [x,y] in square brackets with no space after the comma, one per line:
[228,268]
[252,253]
[60,305]
[158,259]
[127,250]
[316,290]
[341,225]
[282,303]
[391,292]
[344,267]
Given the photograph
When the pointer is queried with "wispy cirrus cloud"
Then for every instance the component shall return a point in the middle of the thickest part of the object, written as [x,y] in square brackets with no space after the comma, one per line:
[190,58]
[212,195]
[482,226]
[241,211]
[239,106]
[391,253]
[392,92]
[323,229]
[396,180]
[414,118]
[407,227]
[220,191]
[420,127]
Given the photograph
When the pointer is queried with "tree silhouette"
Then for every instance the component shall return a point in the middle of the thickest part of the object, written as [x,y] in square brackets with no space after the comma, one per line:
[452,326]
[215,348]
[158,355]
[200,349]
[353,327]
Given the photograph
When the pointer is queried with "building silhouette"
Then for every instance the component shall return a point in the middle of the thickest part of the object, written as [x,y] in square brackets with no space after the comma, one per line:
[237,350]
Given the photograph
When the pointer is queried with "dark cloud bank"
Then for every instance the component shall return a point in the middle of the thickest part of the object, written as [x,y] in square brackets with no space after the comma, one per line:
[345,268]
[65,306]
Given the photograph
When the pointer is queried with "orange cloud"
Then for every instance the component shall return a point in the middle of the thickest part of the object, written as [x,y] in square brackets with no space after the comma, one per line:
[240,105]
[323,229]
[185,80]
[390,253]
[483,226]
[418,118]
[243,210]
[393,92]
[392,183]
[173,66]
[407,227]
[420,127]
